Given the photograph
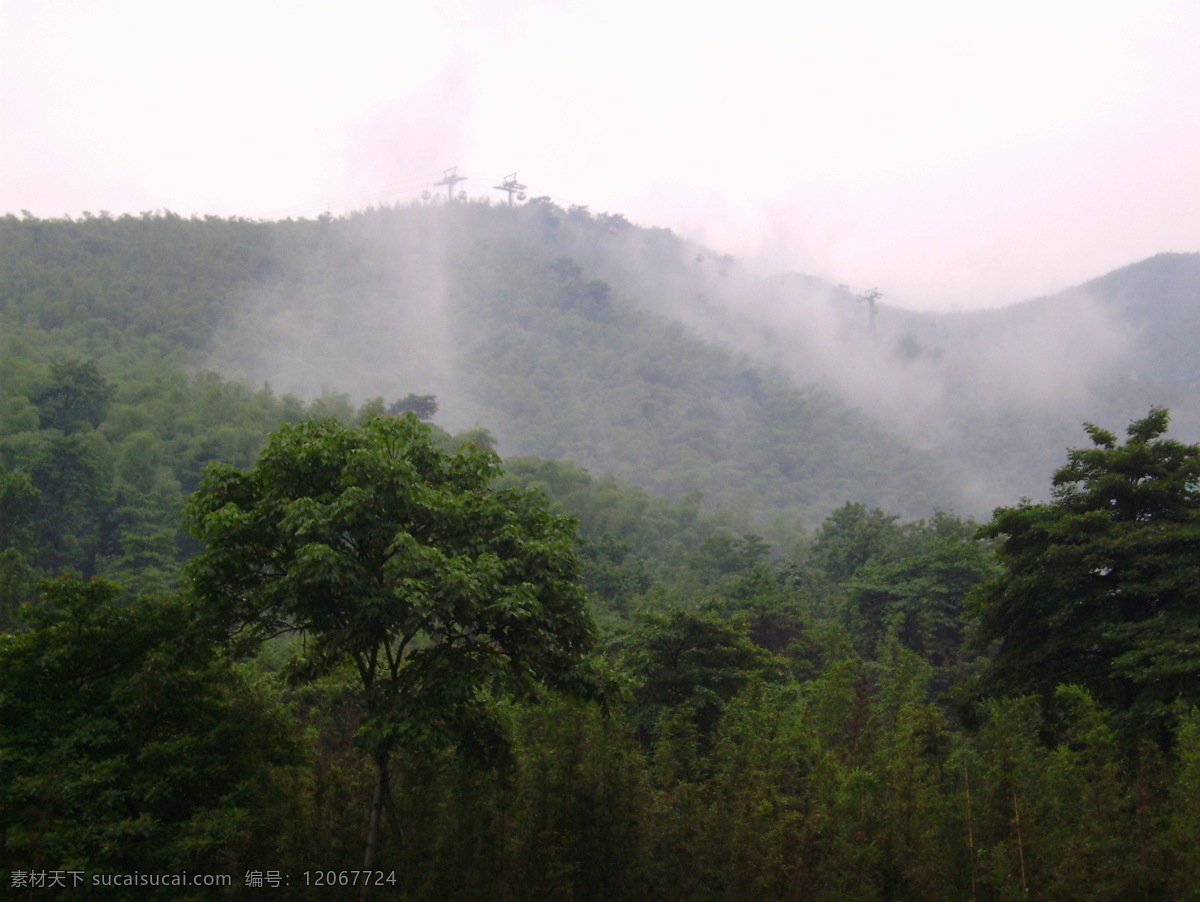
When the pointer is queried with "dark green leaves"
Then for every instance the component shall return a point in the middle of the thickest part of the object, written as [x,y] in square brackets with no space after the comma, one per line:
[127,742]
[398,560]
[1102,586]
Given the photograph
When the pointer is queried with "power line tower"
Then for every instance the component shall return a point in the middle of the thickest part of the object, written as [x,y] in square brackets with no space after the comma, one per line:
[512,186]
[871,295]
[450,178]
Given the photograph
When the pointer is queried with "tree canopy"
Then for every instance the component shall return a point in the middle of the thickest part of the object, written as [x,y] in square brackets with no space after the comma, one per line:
[1101,586]
[128,742]
[793,725]
[392,556]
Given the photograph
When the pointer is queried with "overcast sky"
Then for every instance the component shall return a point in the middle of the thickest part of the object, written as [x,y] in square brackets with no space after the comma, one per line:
[944,151]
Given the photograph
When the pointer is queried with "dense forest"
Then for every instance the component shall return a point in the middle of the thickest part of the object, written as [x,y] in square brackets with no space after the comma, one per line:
[522,590]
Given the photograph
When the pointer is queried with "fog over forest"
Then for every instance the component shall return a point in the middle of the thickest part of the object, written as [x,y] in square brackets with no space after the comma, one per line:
[451,533]
[629,452]
[991,397]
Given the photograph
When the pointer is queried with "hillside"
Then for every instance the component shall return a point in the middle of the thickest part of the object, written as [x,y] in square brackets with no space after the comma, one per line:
[994,395]
[497,312]
[1154,304]
[383,643]
[626,350]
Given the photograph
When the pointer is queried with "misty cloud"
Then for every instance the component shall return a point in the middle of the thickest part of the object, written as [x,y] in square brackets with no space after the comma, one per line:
[384,327]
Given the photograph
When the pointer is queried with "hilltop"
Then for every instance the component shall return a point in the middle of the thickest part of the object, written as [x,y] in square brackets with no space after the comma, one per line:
[994,395]
[626,350]
[501,314]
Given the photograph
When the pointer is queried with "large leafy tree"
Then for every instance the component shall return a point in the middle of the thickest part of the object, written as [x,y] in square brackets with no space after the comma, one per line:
[690,665]
[917,585]
[401,561]
[1101,585]
[128,742]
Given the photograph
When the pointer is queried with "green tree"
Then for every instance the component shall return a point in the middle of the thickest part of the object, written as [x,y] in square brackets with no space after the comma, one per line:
[18,541]
[1086,831]
[1101,586]
[690,665]
[424,406]
[850,537]
[73,479]
[1183,821]
[74,397]
[129,744]
[918,587]
[400,560]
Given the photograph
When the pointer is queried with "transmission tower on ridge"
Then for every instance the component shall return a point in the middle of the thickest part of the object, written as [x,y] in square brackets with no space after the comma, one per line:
[512,186]
[871,295]
[450,178]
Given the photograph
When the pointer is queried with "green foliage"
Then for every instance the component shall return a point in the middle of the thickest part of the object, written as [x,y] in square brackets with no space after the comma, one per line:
[424,406]
[888,582]
[786,736]
[1101,587]
[623,512]
[578,796]
[389,554]
[102,491]
[158,279]
[849,537]
[18,503]
[918,586]
[722,557]
[128,744]
[1182,826]
[1050,817]
[401,562]
[18,587]
[1083,843]
[691,665]
[74,397]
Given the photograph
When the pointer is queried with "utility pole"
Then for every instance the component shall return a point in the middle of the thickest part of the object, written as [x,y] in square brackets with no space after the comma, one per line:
[512,186]
[871,296]
[450,178]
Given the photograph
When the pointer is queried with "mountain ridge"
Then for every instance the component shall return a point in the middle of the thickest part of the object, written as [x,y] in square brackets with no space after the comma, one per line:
[628,350]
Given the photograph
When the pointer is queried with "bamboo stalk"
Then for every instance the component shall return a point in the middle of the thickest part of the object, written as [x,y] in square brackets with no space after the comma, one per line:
[1020,845]
[970,831]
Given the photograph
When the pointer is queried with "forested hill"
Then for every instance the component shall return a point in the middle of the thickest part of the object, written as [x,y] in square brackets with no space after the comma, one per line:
[624,349]
[390,662]
[1026,376]
[995,394]
[500,313]
[1154,303]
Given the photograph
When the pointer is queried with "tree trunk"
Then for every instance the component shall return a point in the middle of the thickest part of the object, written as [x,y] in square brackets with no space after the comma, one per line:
[381,788]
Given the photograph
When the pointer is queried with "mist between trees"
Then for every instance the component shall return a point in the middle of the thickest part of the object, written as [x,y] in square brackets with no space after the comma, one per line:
[700,634]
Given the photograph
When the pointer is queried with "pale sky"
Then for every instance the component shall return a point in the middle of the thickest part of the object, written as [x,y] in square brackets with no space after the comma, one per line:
[948,153]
